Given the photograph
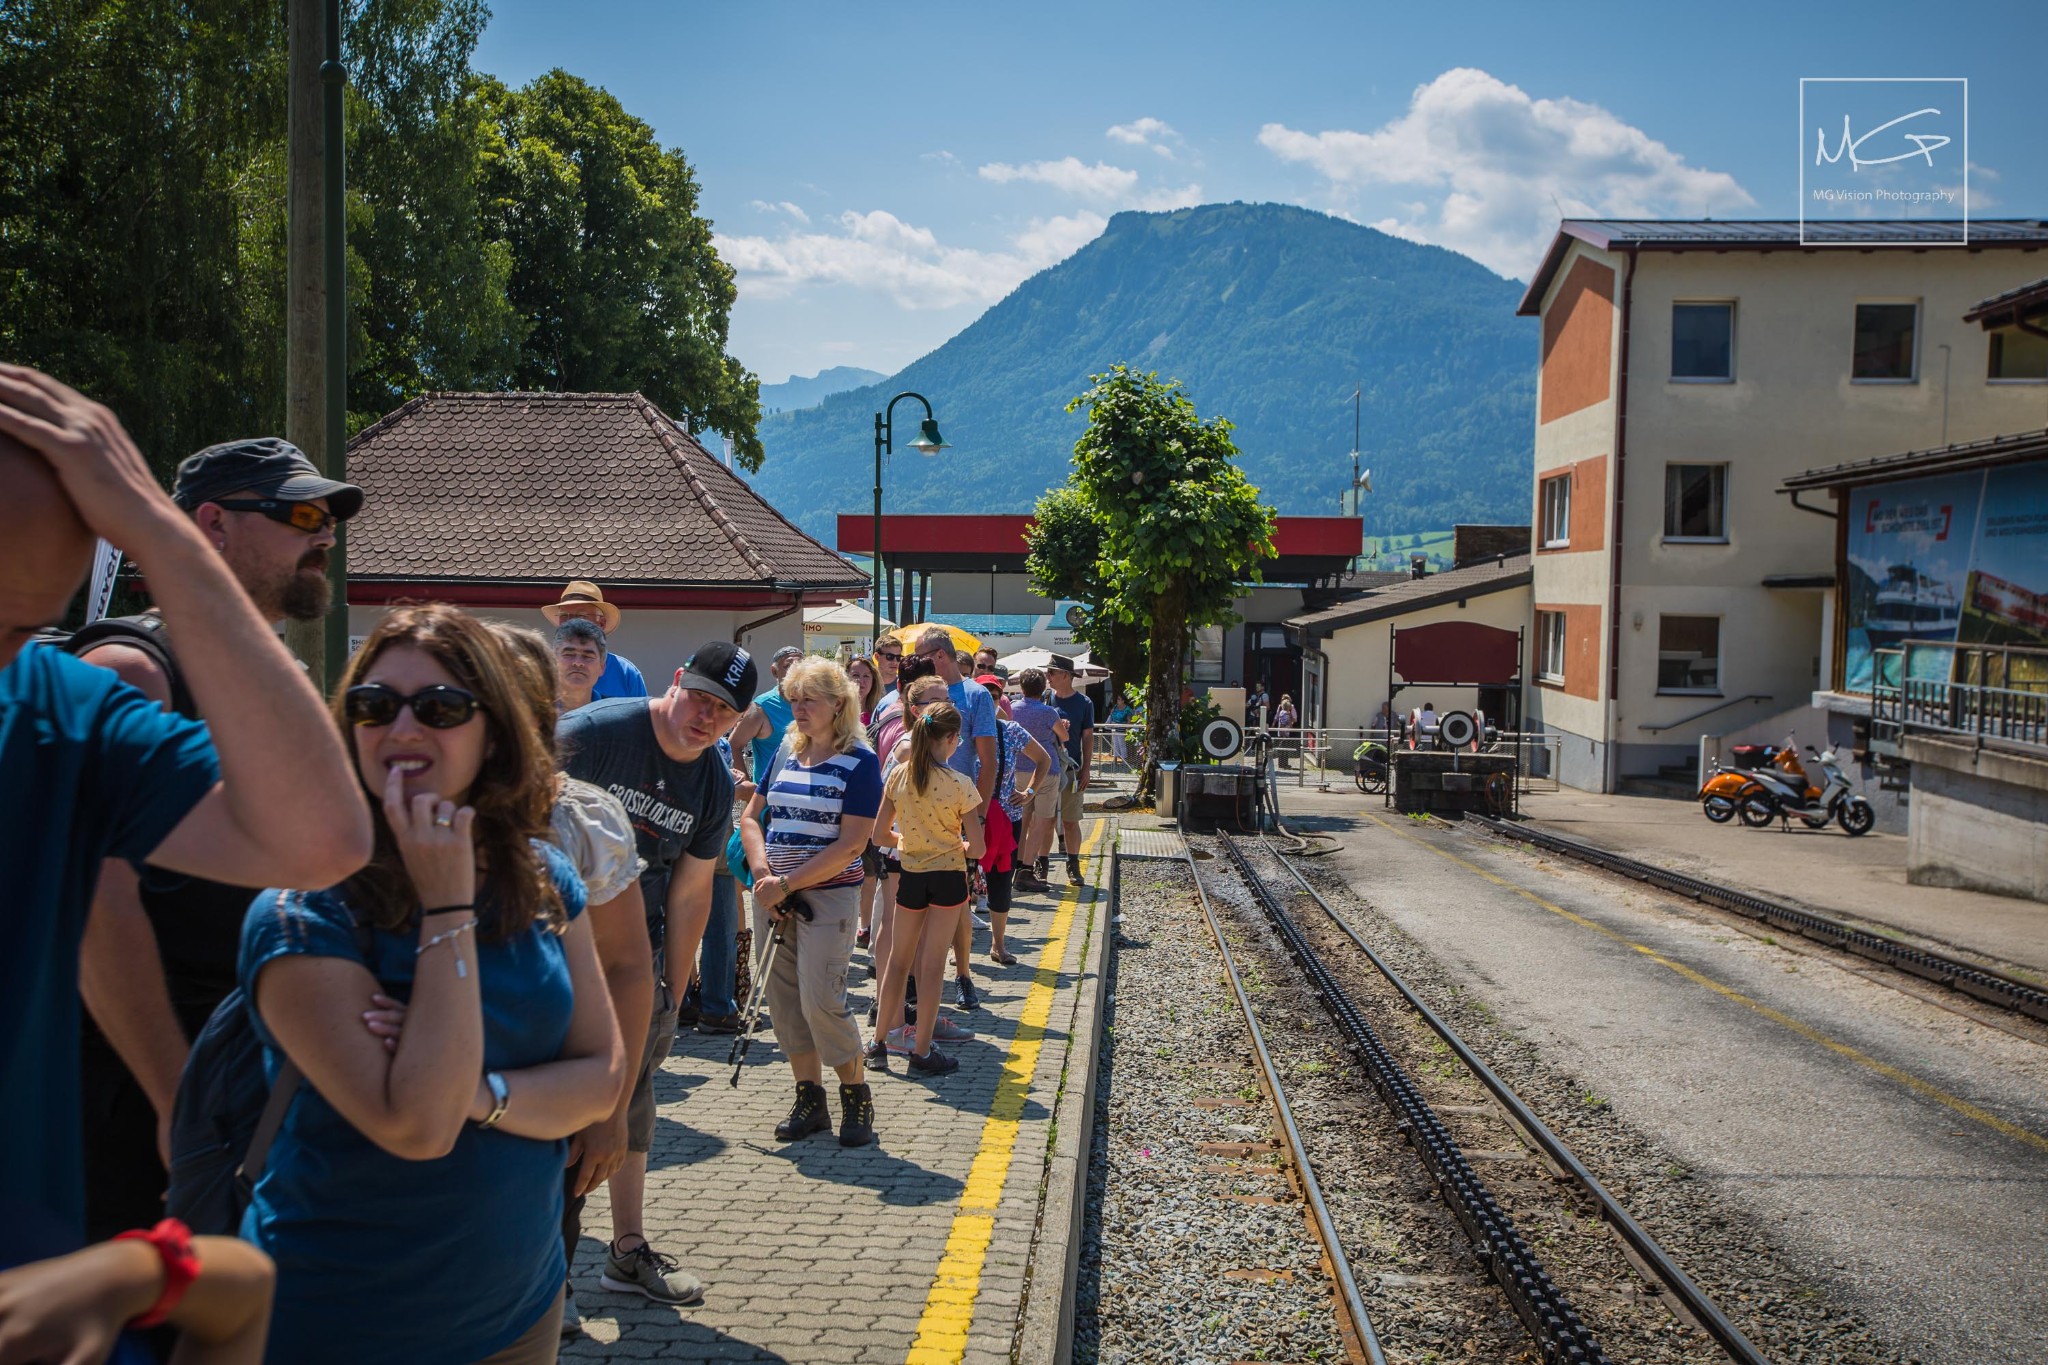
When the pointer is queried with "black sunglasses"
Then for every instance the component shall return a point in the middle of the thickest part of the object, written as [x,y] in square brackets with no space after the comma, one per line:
[300,516]
[439,707]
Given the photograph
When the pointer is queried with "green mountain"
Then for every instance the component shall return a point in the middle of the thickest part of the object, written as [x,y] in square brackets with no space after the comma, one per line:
[1270,315]
[807,391]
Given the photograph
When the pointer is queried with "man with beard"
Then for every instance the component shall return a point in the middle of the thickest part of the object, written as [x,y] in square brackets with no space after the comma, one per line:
[271,515]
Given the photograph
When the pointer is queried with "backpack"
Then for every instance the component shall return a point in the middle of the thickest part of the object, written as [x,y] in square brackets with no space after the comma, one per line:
[225,1116]
[145,632]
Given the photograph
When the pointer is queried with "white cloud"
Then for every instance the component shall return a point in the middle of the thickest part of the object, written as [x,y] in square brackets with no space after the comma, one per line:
[1508,166]
[880,251]
[1069,174]
[782,206]
[1146,132]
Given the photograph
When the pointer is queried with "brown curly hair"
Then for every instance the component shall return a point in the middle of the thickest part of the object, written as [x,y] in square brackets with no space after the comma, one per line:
[512,794]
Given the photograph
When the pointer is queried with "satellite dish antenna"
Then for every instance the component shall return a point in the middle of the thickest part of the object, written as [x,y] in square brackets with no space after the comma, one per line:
[1222,738]
[1456,730]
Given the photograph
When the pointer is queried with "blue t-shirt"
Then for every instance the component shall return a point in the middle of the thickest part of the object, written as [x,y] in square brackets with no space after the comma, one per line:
[977,721]
[438,1262]
[775,706]
[90,769]
[619,679]
[1080,714]
[804,805]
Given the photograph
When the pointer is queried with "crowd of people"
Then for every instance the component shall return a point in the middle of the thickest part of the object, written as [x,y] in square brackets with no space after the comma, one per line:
[361,975]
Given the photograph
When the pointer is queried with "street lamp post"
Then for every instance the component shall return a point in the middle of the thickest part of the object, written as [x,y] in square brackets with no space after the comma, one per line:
[928,442]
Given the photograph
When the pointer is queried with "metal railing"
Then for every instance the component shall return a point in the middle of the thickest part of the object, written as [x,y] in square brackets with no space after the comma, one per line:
[1983,693]
[1320,756]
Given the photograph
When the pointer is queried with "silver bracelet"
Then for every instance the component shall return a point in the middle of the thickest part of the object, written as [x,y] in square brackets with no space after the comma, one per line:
[449,936]
[501,1096]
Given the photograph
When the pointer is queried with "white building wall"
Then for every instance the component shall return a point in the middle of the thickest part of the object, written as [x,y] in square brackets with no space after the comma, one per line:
[1355,675]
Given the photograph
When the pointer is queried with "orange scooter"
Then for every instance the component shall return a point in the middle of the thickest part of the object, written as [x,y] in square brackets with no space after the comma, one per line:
[1723,795]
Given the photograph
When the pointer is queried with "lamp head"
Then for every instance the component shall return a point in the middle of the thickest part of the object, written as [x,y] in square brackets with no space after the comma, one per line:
[928,441]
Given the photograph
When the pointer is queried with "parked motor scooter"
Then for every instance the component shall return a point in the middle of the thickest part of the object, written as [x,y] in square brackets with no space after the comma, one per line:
[1721,795]
[1780,795]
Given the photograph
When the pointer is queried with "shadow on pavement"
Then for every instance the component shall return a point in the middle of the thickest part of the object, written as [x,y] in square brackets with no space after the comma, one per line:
[894,1179]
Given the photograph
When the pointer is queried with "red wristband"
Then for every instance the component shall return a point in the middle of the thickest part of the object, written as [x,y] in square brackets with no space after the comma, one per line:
[173,1243]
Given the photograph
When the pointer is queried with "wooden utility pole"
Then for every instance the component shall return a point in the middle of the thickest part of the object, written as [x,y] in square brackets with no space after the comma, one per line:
[316,297]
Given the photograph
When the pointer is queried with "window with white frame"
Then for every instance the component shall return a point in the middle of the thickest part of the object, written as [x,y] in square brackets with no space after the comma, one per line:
[1550,646]
[1886,349]
[1689,655]
[1556,515]
[1696,502]
[1703,342]
[2018,357]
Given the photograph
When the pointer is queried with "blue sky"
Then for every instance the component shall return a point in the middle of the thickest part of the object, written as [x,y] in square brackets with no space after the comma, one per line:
[881,173]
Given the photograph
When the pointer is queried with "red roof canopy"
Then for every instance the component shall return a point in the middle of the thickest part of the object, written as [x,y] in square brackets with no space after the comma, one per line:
[1003,534]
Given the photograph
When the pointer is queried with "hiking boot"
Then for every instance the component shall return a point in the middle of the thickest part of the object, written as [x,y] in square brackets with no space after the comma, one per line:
[1027,880]
[948,1031]
[856,1115]
[572,1321]
[643,1270]
[933,1063]
[1041,870]
[807,1115]
[969,998]
[718,1023]
[1074,868]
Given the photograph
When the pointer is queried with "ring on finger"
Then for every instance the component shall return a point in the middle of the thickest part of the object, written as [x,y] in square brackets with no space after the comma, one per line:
[444,818]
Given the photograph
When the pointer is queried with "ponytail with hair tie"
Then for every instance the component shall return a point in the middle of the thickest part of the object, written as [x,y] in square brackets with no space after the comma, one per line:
[938,724]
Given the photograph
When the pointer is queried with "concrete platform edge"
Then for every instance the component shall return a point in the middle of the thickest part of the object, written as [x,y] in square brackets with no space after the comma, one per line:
[1045,1329]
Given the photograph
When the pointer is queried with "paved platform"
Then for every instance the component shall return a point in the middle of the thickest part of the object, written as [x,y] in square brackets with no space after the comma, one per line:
[945,1242]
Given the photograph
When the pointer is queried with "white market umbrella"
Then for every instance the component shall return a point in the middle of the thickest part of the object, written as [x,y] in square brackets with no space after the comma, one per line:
[841,614]
[1039,658]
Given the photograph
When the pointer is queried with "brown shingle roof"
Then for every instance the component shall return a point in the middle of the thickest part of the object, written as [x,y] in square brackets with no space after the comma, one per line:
[545,487]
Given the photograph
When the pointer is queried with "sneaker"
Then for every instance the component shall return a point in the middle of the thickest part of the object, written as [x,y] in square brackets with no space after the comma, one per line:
[856,1115]
[899,1041]
[948,1031]
[877,1055]
[980,920]
[860,940]
[572,1321]
[807,1115]
[933,1063]
[969,998]
[643,1270]
[718,1023]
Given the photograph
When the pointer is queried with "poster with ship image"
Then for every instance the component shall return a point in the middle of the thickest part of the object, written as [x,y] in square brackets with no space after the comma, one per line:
[1958,558]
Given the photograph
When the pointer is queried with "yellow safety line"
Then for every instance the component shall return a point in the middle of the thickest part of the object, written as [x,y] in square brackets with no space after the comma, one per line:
[949,1306]
[1806,1031]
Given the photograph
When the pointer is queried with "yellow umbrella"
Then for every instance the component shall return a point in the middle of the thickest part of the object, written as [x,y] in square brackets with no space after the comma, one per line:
[907,636]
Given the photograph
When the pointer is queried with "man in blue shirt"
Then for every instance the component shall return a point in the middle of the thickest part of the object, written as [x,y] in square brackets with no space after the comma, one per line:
[90,768]
[583,600]
[976,756]
[1080,716]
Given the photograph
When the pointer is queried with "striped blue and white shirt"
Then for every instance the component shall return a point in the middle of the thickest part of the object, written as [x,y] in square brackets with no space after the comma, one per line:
[804,805]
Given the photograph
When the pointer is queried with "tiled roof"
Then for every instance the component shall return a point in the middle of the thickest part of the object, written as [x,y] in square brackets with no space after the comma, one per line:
[545,487]
[2008,306]
[1708,234]
[1914,464]
[1414,594]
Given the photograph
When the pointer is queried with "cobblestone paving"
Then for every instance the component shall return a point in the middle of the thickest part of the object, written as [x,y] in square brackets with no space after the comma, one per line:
[815,1253]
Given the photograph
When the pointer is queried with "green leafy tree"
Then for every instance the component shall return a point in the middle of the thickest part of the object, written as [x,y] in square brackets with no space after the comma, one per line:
[613,272]
[1181,525]
[1063,556]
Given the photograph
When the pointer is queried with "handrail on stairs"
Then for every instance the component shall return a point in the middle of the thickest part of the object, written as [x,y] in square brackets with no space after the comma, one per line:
[1701,715]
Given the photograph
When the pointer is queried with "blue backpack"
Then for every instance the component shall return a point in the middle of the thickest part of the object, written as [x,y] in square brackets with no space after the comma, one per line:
[225,1116]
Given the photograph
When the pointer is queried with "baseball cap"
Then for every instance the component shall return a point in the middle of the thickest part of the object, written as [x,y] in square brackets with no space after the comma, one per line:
[786,652]
[267,465]
[724,670]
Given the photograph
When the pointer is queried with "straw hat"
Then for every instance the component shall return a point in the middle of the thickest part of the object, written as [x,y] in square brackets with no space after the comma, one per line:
[589,593]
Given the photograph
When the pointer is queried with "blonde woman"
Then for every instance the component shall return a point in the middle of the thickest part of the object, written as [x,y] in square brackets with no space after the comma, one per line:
[818,798]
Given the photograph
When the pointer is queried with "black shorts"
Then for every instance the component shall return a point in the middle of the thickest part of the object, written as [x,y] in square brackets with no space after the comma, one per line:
[917,890]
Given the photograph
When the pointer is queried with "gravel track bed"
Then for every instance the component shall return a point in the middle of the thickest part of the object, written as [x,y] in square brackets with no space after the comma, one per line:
[1188,1255]
[1789,1318]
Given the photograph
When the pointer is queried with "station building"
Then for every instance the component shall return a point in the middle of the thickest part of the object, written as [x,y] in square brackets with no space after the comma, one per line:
[1688,368]
[495,501]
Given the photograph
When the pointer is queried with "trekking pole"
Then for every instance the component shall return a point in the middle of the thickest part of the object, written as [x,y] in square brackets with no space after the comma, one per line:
[738,1056]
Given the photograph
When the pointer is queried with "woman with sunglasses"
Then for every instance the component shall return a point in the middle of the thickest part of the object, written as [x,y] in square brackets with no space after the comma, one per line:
[413,1196]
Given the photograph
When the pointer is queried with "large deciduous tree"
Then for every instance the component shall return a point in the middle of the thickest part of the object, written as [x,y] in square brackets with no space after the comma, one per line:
[613,270]
[1063,555]
[1180,526]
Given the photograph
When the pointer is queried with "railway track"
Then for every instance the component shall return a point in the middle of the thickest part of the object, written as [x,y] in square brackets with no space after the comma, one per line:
[1980,983]
[1503,1249]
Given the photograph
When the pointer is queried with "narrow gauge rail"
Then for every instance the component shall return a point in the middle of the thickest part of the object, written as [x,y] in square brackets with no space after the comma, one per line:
[1312,1191]
[1980,983]
[1553,1324]
[1675,1280]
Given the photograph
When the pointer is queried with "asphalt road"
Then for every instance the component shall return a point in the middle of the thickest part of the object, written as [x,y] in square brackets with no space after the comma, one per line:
[1896,1151]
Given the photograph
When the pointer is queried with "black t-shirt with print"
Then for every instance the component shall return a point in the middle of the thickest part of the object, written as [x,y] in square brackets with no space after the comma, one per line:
[676,808]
